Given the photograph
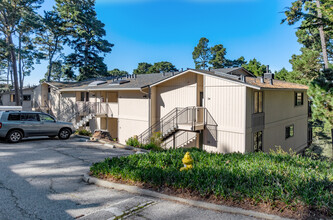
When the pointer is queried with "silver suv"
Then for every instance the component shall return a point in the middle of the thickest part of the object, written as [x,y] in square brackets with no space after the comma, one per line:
[14,125]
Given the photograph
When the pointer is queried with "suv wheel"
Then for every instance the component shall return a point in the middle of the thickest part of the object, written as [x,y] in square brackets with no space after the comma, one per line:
[64,133]
[14,136]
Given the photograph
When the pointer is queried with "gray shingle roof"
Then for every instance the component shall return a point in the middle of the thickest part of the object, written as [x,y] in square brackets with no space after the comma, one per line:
[141,80]
[144,80]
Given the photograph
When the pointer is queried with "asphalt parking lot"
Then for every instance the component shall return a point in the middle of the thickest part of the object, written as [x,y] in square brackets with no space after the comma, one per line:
[41,178]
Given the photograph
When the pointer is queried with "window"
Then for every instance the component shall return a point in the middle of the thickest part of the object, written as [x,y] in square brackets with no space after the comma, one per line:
[299,96]
[82,96]
[85,96]
[14,117]
[257,141]
[12,97]
[26,97]
[289,131]
[29,117]
[258,102]
[46,118]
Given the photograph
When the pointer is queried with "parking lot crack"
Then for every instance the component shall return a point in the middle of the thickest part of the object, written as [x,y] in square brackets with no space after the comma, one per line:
[72,156]
[16,202]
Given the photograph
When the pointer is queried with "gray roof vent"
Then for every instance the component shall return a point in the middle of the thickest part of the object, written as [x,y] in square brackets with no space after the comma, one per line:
[97,83]
[119,82]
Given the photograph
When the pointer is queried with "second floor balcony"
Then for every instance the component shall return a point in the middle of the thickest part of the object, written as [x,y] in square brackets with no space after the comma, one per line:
[100,109]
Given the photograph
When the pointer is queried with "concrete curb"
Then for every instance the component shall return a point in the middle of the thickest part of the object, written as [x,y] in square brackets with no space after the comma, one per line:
[121,146]
[81,136]
[205,205]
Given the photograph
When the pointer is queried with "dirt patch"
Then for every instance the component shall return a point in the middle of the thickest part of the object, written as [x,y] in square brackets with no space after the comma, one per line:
[276,208]
[101,135]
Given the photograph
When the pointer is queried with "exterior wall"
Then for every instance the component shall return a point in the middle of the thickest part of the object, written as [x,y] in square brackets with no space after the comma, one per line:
[280,111]
[26,105]
[178,92]
[226,103]
[133,114]
[249,112]
[44,95]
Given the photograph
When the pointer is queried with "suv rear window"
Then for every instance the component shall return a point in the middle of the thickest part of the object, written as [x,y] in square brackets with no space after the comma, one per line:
[29,117]
[14,117]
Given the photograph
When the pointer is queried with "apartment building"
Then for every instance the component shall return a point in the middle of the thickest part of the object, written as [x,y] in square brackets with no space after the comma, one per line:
[8,98]
[220,110]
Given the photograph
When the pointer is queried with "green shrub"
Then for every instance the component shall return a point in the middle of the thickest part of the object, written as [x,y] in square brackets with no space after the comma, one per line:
[83,132]
[269,178]
[133,142]
[155,142]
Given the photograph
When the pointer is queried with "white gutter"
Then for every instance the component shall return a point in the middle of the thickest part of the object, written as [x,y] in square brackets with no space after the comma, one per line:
[100,89]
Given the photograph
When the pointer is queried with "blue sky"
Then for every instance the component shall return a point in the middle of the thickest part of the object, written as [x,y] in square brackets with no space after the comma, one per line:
[161,30]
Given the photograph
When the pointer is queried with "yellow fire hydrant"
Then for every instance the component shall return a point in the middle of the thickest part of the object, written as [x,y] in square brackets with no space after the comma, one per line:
[187,161]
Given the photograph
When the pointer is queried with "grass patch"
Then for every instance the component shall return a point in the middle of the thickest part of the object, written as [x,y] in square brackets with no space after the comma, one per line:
[271,178]
[322,146]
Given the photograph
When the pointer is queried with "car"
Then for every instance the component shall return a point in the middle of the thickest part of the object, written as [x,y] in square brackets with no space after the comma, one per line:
[15,125]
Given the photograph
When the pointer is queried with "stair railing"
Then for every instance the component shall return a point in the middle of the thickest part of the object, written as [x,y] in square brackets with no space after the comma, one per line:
[168,124]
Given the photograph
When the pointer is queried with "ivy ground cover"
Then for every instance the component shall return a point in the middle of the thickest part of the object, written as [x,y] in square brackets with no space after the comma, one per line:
[274,178]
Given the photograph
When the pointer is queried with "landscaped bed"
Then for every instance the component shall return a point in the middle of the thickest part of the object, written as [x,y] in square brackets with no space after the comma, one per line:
[278,182]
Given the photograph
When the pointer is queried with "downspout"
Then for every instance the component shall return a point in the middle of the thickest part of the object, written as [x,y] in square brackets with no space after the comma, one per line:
[149,104]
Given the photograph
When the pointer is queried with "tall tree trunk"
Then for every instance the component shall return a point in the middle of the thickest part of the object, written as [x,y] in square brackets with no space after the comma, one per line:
[14,68]
[322,36]
[8,72]
[49,71]
[50,66]
[20,68]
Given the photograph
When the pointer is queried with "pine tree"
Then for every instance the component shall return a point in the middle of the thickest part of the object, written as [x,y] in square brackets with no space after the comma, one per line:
[11,15]
[218,59]
[86,34]
[50,38]
[202,54]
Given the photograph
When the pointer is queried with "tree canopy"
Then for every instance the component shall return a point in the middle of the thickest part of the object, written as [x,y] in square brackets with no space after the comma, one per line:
[163,66]
[86,37]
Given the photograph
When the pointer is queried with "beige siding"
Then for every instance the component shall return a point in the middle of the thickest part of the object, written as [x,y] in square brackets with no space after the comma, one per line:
[225,101]
[37,95]
[26,105]
[178,92]
[280,112]
[44,95]
[133,114]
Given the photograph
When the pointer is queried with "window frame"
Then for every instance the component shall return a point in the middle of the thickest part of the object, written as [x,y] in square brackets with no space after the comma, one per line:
[12,97]
[293,131]
[296,103]
[258,102]
[256,141]
[48,116]
[10,114]
[36,114]
[28,100]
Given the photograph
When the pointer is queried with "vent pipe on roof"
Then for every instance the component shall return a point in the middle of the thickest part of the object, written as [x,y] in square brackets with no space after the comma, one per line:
[267,69]
[271,81]
[181,70]
[262,80]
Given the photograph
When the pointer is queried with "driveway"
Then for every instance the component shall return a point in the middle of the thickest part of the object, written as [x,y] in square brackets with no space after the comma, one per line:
[41,179]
